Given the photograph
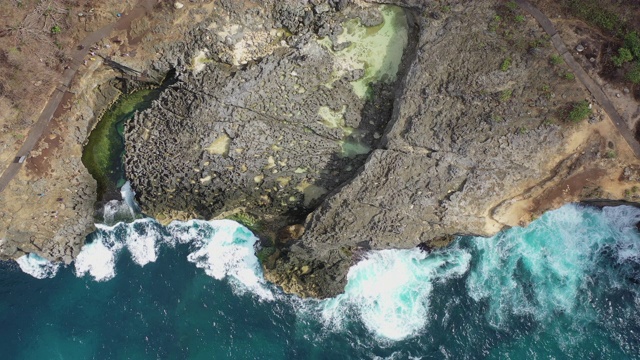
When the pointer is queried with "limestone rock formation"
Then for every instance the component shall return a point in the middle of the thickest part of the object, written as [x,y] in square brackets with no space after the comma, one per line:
[282,113]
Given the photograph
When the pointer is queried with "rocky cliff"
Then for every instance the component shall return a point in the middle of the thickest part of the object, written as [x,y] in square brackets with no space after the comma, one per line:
[456,123]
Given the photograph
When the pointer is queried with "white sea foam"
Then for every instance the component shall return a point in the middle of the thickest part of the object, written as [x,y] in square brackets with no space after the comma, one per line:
[97,259]
[37,266]
[541,270]
[142,240]
[224,248]
[389,290]
[129,198]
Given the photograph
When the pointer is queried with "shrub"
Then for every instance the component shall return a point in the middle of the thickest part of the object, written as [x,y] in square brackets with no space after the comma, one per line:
[511,5]
[632,42]
[495,23]
[506,64]
[55,30]
[519,18]
[569,76]
[556,59]
[505,95]
[579,111]
[624,55]
[634,74]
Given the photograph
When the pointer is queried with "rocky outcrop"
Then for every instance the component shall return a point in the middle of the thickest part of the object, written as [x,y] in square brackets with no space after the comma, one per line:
[474,146]
[269,118]
[274,136]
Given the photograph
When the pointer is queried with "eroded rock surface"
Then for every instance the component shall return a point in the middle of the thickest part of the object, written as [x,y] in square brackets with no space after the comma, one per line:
[283,115]
[477,142]
[272,137]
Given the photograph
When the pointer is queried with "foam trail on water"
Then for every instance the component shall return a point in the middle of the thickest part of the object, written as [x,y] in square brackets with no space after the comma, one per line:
[37,266]
[389,290]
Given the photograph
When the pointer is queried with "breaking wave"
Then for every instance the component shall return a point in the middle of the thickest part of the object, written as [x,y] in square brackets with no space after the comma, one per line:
[37,266]
[389,290]
[557,277]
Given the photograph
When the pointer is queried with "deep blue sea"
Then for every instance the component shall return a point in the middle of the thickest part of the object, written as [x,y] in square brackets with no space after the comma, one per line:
[565,287]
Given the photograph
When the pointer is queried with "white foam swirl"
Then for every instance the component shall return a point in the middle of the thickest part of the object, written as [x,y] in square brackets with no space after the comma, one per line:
[37,266]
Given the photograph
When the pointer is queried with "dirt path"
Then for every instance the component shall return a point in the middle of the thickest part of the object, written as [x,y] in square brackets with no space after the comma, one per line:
[124,22]
[582,75]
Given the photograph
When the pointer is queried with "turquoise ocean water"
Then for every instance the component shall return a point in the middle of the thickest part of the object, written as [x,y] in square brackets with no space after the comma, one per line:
[567,286]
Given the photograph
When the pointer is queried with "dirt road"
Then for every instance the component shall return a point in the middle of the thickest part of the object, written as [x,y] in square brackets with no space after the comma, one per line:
[582,75]
[36,131]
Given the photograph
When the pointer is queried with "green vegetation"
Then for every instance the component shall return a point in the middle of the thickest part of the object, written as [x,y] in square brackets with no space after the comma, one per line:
[579,111]
[505,95]
[610,154]
[519,18]
[605,16]
[595,13]
[495,22]
[556,59]
[445,9]
[264,253]
[506,64]
[55,30]
[249,221]
[634,74]
[569,76]
[511,5]
[624,56]
[102,156]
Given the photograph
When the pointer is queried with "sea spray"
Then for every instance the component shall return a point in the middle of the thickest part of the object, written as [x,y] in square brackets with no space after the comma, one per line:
[566,286]
[390,289]
[223,248]
[540,270]
[125,210]
[37,266]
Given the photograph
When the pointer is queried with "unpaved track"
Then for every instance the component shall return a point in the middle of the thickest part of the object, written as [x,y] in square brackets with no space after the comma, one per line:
[582,75]
[124,22]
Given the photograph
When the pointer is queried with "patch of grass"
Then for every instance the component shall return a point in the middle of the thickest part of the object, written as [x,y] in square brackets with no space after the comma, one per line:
[495,22]
[556,59]
[634,74]
[610,154]
[55,30]
[506,64]
[445,9]
[595,13]
[569,76]
[249,221]
[505,95]
[519,18]
[511,5]
[579,111]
